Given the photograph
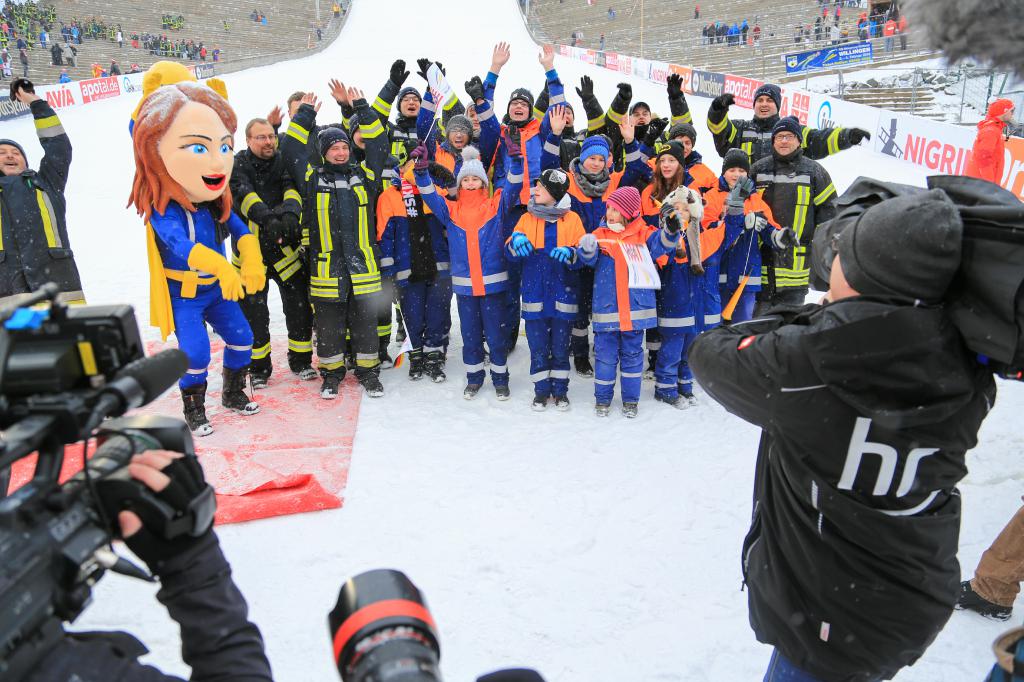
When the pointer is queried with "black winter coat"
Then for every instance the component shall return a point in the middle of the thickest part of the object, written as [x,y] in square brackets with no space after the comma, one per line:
[34,244]
[755,136]
[867,409]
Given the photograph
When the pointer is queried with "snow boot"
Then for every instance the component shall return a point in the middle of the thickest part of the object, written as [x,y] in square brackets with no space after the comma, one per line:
[540,402]
[194,399]
[300,365]
[435,366]
[382,354]
[969,600]
[369,379]
[602,409]
[676,401]
[417,364]
[306,373]
[259,373]
[502,393]
[583,366]
[630,410]
[233,395]
[652,362]
[562,403]
[332,380]
[470,391]
[688,397]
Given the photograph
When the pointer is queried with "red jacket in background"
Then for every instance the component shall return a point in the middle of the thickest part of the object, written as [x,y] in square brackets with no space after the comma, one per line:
[988,156]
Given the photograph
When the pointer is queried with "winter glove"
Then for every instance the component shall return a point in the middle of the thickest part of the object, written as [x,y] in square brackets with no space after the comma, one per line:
[739,194]
[625,91]
[398,73]
[291,231]
[856,135]
[254,274]
[419,156]
[562,254]
[755,221]
[206,259]
[723,102]
[442,69]
[588,246]
[424,65]
[654,131]
[520,245]
[670,221]
[174,519]
[475,89]
[784,239]
[675,86]
[586,88]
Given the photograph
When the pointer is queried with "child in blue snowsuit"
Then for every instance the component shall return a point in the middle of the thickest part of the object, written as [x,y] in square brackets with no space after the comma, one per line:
[621,314]
[475,223]
[545,238]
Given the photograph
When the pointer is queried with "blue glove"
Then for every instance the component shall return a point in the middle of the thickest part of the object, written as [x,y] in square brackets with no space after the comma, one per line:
[520,245]
[562,254]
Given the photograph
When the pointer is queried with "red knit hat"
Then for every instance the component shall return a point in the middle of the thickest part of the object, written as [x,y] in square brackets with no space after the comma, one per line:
[999,107]
[626,200]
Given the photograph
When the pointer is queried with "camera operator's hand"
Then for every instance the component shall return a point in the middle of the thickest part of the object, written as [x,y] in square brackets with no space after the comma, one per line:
[178,481]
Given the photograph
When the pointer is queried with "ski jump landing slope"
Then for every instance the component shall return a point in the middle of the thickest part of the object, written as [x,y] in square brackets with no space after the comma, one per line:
[596,551]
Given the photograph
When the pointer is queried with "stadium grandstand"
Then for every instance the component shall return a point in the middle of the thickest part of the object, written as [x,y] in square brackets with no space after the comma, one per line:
[234,34]
[675,31]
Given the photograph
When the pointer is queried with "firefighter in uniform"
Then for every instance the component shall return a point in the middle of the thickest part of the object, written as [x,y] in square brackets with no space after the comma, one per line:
[34,246]
[339,200]
[268,200]
[801,196]
[755,136]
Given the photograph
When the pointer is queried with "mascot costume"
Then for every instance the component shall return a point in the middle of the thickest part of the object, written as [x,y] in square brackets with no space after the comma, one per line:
[183,137]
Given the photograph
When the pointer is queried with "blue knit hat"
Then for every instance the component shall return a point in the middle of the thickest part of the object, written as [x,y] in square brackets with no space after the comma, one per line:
[596,145]
[772,91]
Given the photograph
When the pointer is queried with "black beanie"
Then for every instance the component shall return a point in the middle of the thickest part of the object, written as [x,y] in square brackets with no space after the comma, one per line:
[908,246]
[329,136]
[675,150]
[736,158]
[556,182]
[523,95]
[683,130]
[790,125]
[641,105]
[772,91]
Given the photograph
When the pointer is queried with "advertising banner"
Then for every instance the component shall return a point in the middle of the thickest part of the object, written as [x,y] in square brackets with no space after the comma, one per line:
[96,89]
[708,83]
[61,95]
[687,73]
[830,57]
[742,89]
[940,147]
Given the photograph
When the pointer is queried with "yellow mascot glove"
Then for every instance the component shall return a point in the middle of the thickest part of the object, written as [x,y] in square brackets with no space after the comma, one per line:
[254,275]
[206,259]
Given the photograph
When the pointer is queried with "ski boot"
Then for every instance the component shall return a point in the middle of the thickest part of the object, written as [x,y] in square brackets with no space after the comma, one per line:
[583,366]
[417,364]
[369,379]
[233,395]
[332,379]
[562,403]
[540,403]
[471,391]
[435,366]
[630,410]
[194,399]
[969,600]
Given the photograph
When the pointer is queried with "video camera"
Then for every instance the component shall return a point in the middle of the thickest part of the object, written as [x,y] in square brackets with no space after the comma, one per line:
[381,629]
[62,372]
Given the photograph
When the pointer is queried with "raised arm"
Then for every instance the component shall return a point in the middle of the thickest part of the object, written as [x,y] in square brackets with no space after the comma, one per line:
[56,163]
[822,142]
[719,124]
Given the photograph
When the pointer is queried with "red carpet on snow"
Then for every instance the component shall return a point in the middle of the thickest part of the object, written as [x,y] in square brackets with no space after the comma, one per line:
[292,457]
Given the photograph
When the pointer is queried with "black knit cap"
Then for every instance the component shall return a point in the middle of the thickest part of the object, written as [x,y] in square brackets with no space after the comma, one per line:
[788,124]
[908,246]
[523,95]
[675,150]
[683,130]
[331,135]
[640,105]
[736,158]
[772,91]
[556,182]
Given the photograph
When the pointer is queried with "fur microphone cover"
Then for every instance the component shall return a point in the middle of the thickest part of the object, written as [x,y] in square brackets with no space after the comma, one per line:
[991,31]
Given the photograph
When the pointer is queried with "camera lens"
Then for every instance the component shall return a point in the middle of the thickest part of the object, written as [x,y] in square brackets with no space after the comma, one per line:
[383,632]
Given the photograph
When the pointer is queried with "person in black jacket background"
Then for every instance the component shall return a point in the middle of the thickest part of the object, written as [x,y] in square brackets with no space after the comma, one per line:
[868,404]
[217,639]
[35,248]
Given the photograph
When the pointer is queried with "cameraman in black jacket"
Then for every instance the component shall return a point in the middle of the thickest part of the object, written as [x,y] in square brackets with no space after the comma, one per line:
[868,404]
[217,639]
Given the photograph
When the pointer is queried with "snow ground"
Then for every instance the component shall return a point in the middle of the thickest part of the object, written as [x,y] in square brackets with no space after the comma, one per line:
[596,551]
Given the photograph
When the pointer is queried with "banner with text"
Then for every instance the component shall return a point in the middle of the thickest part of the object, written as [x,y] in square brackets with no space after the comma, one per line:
[830,57]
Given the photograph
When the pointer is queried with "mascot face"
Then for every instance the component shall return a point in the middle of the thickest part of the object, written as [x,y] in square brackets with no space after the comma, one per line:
[198,152]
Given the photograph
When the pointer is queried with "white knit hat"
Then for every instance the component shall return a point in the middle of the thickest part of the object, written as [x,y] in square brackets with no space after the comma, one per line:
[471,165]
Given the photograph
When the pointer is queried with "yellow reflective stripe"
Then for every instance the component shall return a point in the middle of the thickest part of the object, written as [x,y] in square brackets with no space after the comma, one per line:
[323,293]
[364,289]
[748,148]
[364,231]
[261,352]
[323,218]
[803,200]
[1,231]
[595,123]
[717,128]
[376,129]
[450,104]
[684,118]
[824,194]
[286,274]
[806,134]
[833,142]
[44,214]
[250,200]
[48,122]
[365,278]
[309,172]
[381,107]
[383,329]
[292,194]
[298,132]
[300,346]
[614,116]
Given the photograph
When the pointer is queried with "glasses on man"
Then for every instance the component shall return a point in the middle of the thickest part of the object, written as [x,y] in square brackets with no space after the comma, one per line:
[786,137]
[263,138]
